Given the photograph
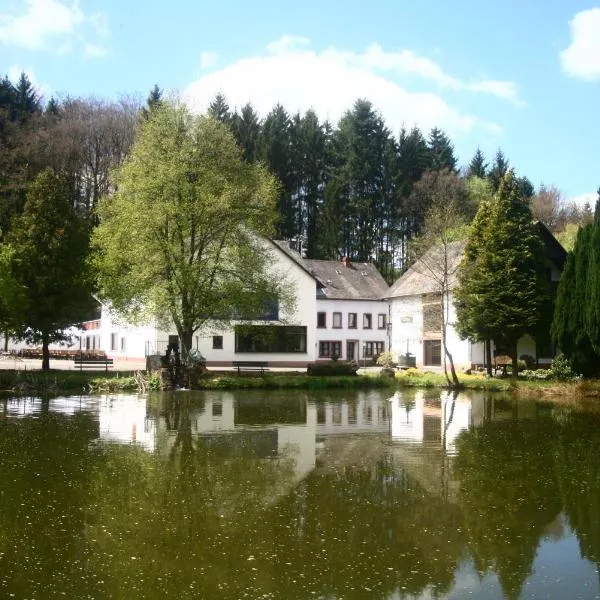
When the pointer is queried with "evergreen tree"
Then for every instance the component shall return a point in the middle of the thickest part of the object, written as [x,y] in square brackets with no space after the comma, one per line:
[478,165]
[219,109]
[309,152]
[503,291]
[275,151]
[576,324]
[498,170]
[360,145]
[154,101]
[27,99]
[50,244]
[246,129]
[441,151]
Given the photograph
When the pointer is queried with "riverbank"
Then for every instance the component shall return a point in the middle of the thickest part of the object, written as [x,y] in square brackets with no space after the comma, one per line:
[56,382]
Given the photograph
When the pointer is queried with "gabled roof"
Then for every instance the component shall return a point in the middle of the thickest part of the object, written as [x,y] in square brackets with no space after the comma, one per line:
[350,281]
[356,281]
[423,276]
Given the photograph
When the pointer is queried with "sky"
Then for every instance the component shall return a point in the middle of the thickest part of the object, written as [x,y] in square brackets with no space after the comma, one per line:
[520,75]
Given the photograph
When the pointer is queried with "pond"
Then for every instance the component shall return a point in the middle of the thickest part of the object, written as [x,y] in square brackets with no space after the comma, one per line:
[289,495]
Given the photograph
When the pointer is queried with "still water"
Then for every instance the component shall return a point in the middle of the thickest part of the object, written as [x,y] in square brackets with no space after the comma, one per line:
[286,495]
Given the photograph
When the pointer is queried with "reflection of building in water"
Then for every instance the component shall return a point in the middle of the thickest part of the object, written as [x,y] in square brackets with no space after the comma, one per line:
[419,418]
[365,412]
[282,429]
[123,419]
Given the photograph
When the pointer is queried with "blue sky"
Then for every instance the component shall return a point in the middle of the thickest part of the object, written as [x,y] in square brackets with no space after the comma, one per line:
[520,75]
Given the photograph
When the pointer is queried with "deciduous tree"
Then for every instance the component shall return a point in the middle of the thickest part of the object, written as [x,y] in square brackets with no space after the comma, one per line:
[177,241]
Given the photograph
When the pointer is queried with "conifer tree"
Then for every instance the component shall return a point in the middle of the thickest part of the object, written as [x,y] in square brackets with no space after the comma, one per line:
[219,109]
[50,244]
[154,101]
[478,165]
[246,128]
[441,151]
[498,170]
[503,291]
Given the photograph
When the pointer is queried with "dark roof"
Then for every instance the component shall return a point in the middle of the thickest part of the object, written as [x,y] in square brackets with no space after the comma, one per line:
[554,250]
[356,281]
[423,276]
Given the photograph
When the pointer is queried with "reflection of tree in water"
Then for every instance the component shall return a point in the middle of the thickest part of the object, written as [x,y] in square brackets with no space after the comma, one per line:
[44,494]
[577,467]
[508,494]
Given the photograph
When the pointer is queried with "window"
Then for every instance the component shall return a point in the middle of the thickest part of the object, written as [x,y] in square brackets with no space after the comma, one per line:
[321,320]
[270,338]
[123,344]
[330,349]
[373,349]
[351,320]
[337,320]
[433,352]
[367,321]
[217,342]
[381,320]
[114,340]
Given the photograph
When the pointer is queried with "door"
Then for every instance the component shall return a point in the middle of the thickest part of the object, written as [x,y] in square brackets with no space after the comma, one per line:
[350,350]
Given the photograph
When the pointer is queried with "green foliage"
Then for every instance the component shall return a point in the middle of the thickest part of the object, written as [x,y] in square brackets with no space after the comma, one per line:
[576,325]
[179,240]
[478,166]
[50,250]
[561,369]
[503,292]
[386,360]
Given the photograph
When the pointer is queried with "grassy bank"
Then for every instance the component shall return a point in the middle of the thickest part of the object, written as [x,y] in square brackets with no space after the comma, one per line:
[65,382]
[75,382]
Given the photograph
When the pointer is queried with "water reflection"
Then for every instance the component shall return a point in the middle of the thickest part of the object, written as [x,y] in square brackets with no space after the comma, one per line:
[272,495]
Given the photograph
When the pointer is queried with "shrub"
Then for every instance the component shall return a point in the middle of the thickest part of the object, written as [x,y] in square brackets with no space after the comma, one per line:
[561,369]
[536,374]
[338,367]
[386,360]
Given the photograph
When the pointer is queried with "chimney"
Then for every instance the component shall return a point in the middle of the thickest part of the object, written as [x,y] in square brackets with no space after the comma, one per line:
[345,261]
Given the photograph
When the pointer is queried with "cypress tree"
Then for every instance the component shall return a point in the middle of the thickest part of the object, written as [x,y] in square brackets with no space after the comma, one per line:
[503,291]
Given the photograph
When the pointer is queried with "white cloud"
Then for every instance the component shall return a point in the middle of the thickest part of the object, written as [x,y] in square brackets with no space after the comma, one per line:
[42,20]
[299,78]
[52,24]
[582,58]
[94,50]
[583,199]
[208,60]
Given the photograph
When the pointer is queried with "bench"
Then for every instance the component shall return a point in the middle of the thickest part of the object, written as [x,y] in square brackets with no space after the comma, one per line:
[250,365]
[93,363]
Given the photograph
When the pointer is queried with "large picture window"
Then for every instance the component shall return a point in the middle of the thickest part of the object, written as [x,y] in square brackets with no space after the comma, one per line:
[270,338]
[373,349]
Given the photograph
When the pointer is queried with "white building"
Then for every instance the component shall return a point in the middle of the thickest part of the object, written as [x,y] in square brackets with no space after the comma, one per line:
[416,314]
[338,312]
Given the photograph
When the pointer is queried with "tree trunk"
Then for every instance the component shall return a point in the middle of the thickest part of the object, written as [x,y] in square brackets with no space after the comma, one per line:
[488,357]
[515,361]
[45,352]
[454,383]
[186,335]
[6,336]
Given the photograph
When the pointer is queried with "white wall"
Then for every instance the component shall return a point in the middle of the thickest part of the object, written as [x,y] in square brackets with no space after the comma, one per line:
[304,314]
[407,331]
[360,334]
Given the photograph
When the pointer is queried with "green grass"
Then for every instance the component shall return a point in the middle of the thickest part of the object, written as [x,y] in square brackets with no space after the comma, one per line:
[64,382]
